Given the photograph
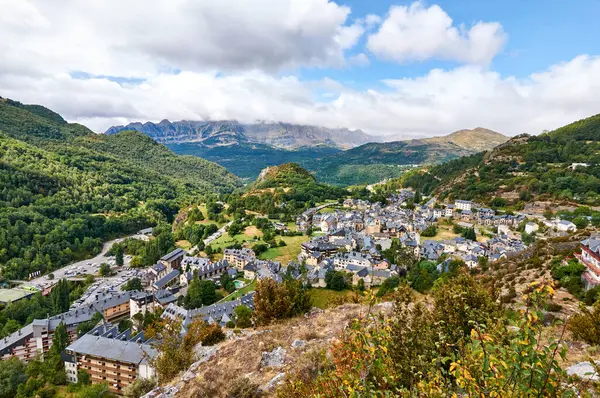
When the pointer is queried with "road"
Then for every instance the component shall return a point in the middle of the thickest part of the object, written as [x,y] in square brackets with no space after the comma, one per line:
[89,266]
[213,237]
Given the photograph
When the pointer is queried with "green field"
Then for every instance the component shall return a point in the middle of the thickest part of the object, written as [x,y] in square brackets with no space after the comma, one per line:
[321,298]
[285,254]
[225,240]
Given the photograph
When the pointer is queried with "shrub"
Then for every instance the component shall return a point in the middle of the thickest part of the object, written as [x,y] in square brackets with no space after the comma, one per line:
[586,325]
[274,300]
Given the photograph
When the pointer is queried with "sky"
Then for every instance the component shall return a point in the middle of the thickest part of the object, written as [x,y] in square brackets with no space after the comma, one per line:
[401,69]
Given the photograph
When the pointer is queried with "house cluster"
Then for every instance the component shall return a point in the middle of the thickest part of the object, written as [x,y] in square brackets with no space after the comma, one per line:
[355,235]
[178,269]
[220,313]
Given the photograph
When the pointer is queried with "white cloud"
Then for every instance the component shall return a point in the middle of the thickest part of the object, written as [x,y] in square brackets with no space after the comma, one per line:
[416,33]
[434,104]
[234,59]
[136,38]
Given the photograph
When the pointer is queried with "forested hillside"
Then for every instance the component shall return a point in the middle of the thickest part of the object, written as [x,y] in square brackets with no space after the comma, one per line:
[63,189]
[284,191]
[563,164]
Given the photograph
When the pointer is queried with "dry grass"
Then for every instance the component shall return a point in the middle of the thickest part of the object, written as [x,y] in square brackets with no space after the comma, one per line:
[240,359]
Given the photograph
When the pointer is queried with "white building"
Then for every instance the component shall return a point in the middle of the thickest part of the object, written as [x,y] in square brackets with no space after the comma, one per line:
[531,227]
[463,205]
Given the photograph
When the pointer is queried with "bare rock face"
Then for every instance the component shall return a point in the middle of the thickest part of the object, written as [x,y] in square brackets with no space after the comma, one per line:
[585,370]
[273,359]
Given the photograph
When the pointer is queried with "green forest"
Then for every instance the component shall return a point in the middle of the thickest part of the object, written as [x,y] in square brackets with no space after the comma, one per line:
[64,189]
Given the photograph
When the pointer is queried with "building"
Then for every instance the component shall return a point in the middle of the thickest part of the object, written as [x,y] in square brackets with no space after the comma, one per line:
[590,257]
[36,338]
[342,260]
[565,226]
[169,279]
[110,357]
[463,205]
[219,313]
[173,260]
[531,227]
[239,257]
[206,271]
[141,302]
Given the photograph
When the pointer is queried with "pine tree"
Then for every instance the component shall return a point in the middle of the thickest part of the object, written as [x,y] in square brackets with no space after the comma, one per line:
[60,339]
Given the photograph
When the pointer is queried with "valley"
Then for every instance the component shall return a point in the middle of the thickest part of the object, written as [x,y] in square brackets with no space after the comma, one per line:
[232,265]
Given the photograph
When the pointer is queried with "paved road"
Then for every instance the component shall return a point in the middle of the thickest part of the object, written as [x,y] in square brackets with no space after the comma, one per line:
[213,237]
[89,266]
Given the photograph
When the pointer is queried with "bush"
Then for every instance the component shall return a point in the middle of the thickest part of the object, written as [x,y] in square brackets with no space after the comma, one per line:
[430,231]
[586,325]
[242,387]
[273,301]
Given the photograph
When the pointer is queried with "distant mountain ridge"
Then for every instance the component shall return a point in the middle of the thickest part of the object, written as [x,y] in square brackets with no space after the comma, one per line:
[365,164]
[477,139]
[227,132]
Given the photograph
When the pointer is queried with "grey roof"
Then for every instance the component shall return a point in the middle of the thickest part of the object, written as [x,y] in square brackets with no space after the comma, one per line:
[162,282]
[173,255]
[210,313]
[14,339]
[112,348]
[593,244]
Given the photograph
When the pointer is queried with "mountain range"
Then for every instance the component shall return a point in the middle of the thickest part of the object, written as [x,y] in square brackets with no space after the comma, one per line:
[336,156]
[223,133]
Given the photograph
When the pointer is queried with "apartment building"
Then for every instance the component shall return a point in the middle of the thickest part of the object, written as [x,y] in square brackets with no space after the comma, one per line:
[238,257]
[110,357]
[36,338]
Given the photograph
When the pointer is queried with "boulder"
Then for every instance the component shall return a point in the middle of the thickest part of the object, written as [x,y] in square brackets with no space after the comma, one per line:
[298,343]
[585,370]
[273,359]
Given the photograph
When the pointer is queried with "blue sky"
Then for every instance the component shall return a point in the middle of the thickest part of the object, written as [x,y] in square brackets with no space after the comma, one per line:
[396,68]
[540,33]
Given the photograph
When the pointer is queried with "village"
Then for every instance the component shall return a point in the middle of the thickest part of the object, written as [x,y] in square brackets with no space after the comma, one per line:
[350,237]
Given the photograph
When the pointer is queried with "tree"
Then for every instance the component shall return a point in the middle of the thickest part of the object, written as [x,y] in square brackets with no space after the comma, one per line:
[60,339]
[104,270]
[430,231]
[125,324]
[361,285]
[335,280]
[140,387]
[227,283]
[119,255]
[83,377]
[274,300]
[469,234]
[133,284]
[59,297]
[235,228]
[12,374]
[242,316]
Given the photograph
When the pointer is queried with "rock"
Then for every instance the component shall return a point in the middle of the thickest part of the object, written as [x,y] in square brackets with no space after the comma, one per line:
[585,370]
[163,392]
[314,311]
[203,354]
[273,359]
[275,381]
[298,343]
